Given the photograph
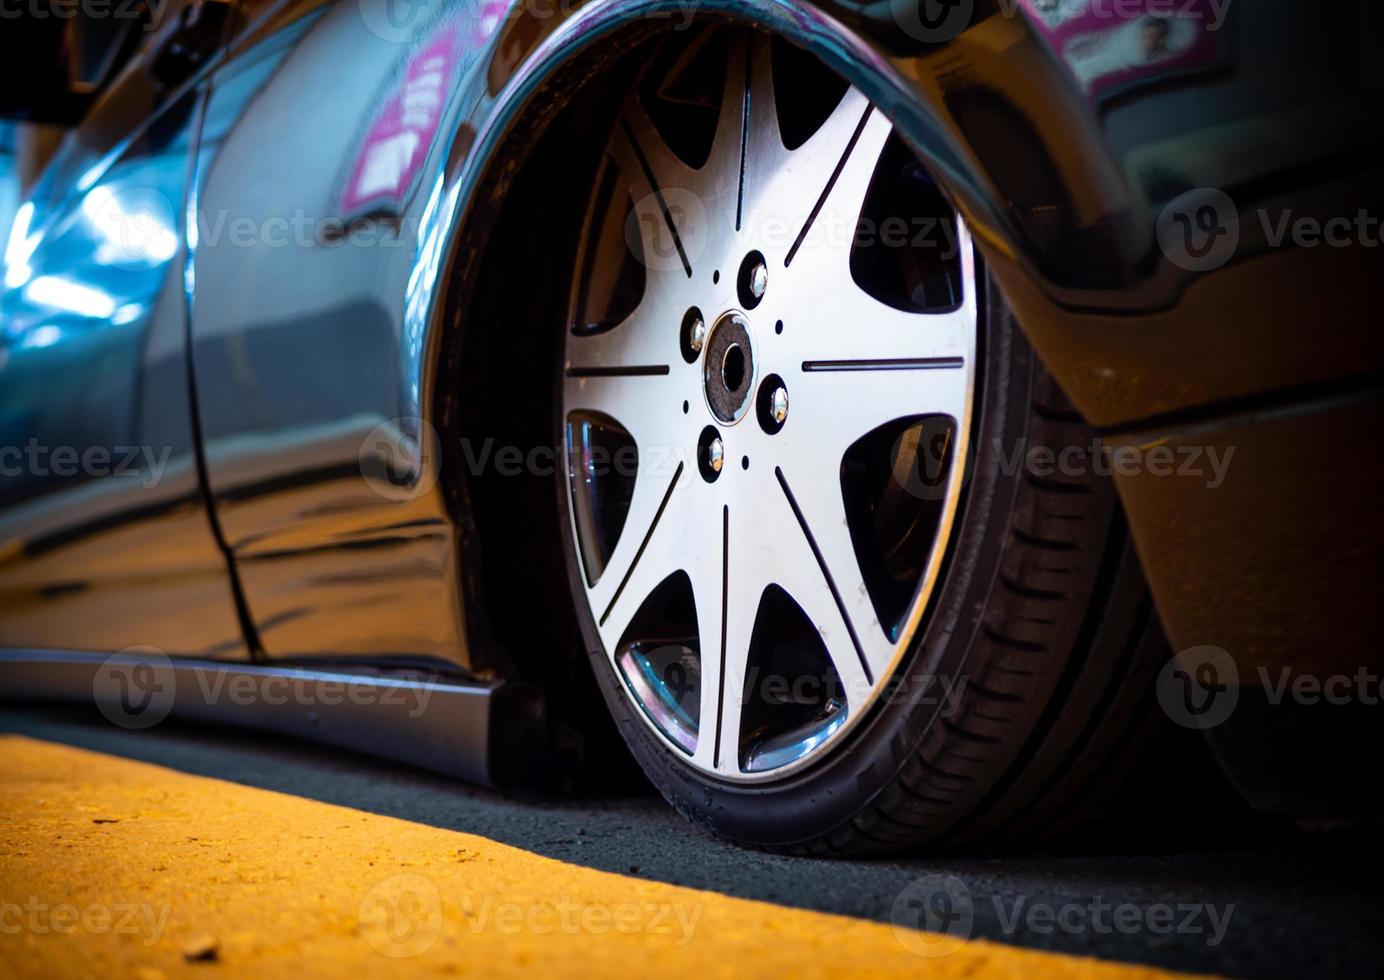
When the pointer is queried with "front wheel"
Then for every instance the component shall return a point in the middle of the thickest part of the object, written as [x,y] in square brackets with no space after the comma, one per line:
[826,601]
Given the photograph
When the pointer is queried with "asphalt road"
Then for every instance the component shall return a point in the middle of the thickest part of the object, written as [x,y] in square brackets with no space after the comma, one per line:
[1271,902]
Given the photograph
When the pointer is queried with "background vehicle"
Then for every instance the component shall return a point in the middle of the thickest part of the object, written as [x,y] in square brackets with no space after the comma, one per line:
[275,331]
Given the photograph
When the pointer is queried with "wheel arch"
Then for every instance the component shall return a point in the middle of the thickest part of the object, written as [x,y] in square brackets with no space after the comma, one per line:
[540,65]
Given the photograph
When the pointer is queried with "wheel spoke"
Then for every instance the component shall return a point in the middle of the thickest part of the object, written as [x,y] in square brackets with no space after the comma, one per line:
[633,401]
[811,197]
[840,159]
[851,331]
[647,341]
[846,397]
[834,409]
[660,185]
[747,572]
[818,568]
[719,678]
[862,364]
[654,544]
[648,162]
[747,137]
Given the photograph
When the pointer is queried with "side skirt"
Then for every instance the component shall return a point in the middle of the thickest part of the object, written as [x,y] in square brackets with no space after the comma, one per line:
[480,731]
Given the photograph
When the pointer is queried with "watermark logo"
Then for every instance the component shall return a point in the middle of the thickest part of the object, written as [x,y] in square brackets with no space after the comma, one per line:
[932,21]
[398,21]
[1199,688]
[135,688]
[933,916]
[135,226]
[401,916]
[921,458]
[668,229]
[400,459]
[1199,231]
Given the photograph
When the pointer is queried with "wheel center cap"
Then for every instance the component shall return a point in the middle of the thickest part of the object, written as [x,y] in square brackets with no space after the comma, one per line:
[728,368]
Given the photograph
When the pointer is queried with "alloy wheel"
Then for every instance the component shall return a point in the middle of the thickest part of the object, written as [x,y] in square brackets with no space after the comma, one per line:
[765,445]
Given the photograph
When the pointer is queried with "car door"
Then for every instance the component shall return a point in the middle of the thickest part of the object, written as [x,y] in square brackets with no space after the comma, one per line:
[315,190]
[105,538]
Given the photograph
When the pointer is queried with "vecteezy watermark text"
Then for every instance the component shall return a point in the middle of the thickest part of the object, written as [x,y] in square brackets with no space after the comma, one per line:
[40,918]
[939,21]
[570,916]
[144,463]
[149,11]
[1201,687]
[1209,463]
[403,916]
[1202,229]
[936,915]
[404,21]
[138,687]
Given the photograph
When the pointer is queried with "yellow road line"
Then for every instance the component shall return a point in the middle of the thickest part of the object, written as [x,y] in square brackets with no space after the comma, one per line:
[114,868]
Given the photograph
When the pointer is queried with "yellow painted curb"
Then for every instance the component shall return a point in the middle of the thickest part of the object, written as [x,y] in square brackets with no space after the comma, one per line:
[113,868]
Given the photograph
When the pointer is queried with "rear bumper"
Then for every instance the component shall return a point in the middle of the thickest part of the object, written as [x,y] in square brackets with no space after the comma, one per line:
[1280,564]
[1267,540]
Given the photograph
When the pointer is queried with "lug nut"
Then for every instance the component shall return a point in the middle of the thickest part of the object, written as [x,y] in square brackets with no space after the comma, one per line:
[692,335]
[715,455]
[759,280]
[752,280]
[711,454]
[778,404]
[696,334]
[771,404]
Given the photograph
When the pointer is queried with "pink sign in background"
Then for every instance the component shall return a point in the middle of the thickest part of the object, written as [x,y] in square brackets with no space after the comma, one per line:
[397,141]
[1112,44]
[392,151]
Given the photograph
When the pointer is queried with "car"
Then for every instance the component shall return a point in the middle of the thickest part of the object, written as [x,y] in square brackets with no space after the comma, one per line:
[882,422]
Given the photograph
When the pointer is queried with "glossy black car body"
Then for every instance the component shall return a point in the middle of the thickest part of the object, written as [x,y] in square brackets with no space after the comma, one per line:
[282,321]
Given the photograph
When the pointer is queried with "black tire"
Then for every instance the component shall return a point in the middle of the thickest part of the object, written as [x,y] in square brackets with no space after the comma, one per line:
[1041,614]
[1040,607]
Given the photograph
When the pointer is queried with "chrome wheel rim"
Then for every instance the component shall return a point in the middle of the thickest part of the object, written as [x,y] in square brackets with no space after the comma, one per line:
[747,376]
